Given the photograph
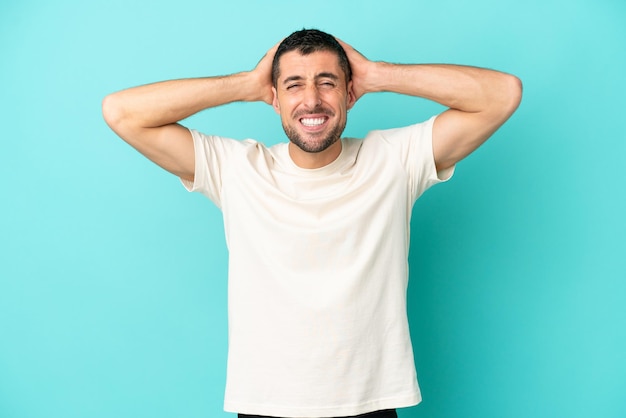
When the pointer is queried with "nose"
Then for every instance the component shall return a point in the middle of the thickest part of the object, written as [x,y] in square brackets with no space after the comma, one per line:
[311,97]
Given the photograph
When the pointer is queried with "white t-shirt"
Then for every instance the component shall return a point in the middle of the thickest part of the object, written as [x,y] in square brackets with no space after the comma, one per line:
[318,271]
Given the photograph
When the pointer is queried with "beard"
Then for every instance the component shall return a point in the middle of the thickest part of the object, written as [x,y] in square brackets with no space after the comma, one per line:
[315,146]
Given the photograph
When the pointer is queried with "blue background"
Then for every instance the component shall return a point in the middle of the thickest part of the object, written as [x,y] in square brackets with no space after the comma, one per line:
[113,278]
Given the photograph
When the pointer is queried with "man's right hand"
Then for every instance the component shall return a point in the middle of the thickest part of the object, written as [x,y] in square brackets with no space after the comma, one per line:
[263,74]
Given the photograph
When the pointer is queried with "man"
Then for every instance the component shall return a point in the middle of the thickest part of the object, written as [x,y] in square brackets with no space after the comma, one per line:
[318,228]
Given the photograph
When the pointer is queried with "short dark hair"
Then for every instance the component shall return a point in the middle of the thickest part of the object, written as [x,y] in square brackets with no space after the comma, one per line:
[307,41]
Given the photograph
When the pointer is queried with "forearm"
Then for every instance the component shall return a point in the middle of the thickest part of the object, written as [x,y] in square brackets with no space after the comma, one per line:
[168,102]
[464,88]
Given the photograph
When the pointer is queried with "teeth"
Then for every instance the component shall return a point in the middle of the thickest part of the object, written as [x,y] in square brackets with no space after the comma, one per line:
[312,121]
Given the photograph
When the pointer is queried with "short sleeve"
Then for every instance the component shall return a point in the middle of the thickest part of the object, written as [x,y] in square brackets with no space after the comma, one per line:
[414,144]
[212,154]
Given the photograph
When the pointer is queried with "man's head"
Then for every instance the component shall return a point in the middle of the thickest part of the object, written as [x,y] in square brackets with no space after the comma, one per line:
[307,41]
[312,93]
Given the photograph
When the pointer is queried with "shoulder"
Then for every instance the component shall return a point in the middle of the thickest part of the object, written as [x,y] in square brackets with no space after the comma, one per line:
[218,139]
[211,144]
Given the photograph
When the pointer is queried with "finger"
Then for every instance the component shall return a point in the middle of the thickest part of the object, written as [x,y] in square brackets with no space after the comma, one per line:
[269,55]
[343,44]
[273,49]
[350,50]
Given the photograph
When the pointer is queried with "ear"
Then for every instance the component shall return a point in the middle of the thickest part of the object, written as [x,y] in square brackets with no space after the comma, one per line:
[275,103]
[351,99]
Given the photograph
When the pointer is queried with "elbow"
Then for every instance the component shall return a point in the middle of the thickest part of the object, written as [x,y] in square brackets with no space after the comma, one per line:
[506,96]
[111,111]
[117,117]
[512,90]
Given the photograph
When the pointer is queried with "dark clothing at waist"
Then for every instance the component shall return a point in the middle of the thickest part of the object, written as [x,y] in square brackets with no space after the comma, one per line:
[387,413]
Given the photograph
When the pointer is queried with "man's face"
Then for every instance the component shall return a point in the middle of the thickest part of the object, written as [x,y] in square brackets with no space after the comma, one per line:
[312,98]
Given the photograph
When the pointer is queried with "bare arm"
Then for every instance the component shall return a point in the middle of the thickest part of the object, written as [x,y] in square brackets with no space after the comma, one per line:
[479,100]
[147,116]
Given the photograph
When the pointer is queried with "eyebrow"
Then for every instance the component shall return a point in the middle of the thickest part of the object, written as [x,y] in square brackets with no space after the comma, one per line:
[332,76]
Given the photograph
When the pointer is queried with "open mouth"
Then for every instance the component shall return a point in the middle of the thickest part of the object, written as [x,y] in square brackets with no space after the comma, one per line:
[313,122]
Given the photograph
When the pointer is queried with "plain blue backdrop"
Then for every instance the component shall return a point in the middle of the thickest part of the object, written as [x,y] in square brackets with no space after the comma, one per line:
[113,278]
